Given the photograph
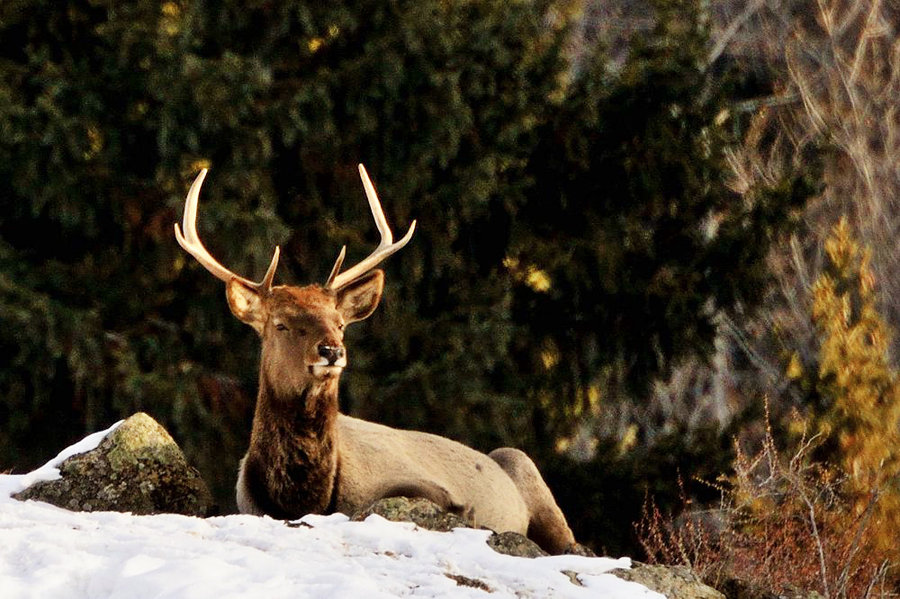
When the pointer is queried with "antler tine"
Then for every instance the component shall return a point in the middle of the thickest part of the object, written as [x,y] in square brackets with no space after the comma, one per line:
[190,242]
[336,268]
[385,248]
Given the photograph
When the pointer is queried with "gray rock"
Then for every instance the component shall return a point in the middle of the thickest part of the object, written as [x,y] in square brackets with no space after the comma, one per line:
[430,516]
[512,543]
[582,550]
[675,582]
[424,513]
[734,588]
[137,468]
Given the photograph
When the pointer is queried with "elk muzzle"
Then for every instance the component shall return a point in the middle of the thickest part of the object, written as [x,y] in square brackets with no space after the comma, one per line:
[333,355]
[332,360]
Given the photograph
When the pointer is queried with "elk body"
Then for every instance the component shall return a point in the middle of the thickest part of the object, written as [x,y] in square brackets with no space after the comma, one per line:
[306,457]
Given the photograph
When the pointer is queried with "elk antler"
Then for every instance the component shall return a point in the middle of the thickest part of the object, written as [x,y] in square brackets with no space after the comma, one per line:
[191,243]
[384,249]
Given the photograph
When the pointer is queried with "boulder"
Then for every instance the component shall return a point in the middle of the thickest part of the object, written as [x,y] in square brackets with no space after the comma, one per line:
[424,513]
[427,514]
[675,582]
[512,543]
[137,468]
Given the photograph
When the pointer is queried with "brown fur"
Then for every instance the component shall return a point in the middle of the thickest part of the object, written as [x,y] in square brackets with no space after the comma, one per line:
[306,457]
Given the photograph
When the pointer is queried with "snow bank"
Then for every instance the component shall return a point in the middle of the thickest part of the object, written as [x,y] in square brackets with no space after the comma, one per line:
[47,552]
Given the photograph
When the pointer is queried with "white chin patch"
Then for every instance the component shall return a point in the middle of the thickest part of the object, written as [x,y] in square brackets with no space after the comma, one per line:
[323,369]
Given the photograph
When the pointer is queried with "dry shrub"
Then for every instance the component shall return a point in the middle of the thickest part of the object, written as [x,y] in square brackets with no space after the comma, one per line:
[690,539]
[783,526]
[836,71]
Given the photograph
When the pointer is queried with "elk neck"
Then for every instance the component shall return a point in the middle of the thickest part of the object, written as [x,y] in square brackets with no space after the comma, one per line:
[292,463]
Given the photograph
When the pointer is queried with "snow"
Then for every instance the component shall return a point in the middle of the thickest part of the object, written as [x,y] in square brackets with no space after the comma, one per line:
[48,552]
[14,483]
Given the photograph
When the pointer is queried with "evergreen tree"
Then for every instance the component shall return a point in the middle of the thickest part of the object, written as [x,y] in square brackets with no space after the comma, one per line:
[631,241]
[444,123]
[568,236]
[109,109]
[93,156]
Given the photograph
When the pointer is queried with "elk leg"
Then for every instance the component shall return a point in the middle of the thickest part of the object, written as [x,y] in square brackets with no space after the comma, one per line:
[547,525]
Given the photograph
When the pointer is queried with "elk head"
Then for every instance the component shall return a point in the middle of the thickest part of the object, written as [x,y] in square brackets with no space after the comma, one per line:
[301,328]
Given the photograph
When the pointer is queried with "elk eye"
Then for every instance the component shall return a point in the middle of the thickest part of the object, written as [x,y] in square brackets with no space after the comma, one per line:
[281,326]
[340,326]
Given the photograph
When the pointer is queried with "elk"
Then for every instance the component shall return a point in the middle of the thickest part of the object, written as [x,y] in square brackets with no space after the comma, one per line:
[306,457]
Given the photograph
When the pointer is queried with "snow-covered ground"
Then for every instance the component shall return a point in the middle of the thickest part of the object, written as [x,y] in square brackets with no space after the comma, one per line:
[47,552]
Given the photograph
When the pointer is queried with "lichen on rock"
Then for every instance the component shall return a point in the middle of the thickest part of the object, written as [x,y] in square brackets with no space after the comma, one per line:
[422,512]
[428,515]
[675,582]
[512,543]
[137,468]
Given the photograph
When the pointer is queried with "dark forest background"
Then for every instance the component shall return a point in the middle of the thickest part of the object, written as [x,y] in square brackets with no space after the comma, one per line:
[622,213]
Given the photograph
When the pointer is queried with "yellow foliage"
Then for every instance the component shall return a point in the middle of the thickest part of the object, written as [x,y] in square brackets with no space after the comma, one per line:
[857,380]
[170,23]
[629,440]
[535,278]
[538,279]
[314,44]
[795,367]
[95,143]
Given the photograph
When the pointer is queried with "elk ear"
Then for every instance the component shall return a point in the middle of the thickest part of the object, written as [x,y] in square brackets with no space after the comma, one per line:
[358,299]
[245,304]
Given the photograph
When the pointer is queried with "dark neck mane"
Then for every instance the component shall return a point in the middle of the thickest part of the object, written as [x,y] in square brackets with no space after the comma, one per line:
[292,463]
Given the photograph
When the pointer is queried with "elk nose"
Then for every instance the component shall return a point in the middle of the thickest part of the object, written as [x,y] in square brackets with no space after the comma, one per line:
[332,353]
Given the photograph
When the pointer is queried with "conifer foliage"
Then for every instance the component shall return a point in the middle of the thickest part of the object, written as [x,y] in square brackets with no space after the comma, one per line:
[631,220]
[109,109]
[576,234]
